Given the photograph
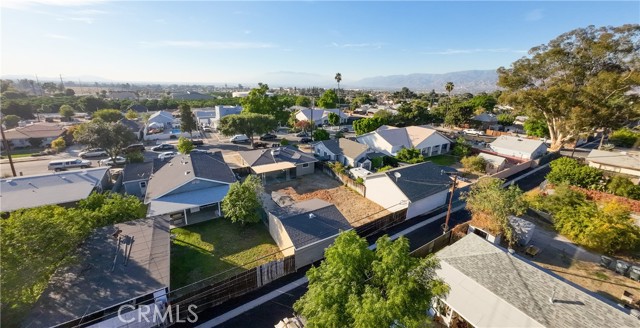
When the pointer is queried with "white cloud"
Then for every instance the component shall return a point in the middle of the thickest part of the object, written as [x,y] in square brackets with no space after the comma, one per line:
[89,12]
[58,36]
[534,15]
[472,51]
[377,45]
[87,20]
[26,4]
[195,44]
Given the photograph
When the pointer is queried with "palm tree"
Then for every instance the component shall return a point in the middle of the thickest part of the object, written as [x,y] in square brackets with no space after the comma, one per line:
[338,79]
[449,87]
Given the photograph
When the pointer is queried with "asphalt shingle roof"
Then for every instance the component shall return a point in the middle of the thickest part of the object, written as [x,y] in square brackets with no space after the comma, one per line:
[615,159]
[36,130]
[303,230]
[419,181]
[137,171]
[265,156]
[515,143]
[529,288]
[346,147]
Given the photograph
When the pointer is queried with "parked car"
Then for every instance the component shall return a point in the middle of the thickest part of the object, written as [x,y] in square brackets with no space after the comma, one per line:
[305,140]
[268,136]
[167,155]
[164,146]
[93,152]
[257,145]
[344,129]
[473,132]
[199,151]
[240,138]
[207,129]
[302,134]
[134,148]
[119,160]
[63,164]
[197,142]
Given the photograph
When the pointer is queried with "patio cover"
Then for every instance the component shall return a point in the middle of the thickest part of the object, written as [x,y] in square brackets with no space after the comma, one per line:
[272,167]
[182,201]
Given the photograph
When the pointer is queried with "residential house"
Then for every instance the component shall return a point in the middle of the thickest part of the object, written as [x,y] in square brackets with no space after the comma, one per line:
[64,188]
[495,163]
[278,164]
[135,177]
[136,127]
[389,140]
[138,108]
[161,117]
[516,147]
[522,229]
[320,116]
[191,95]
[222,111]
[345,151]
[189,184]
[486,120]
[419,188]
[122,95]
[125,263]
[205,116]
[244,94]
[45,133]
[615,161]
[490,287]
[305,229]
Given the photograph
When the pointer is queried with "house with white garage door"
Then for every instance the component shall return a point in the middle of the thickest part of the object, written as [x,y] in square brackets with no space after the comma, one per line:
[419,188]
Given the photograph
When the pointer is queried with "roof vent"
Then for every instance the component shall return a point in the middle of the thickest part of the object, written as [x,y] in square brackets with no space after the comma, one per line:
[9,180]
[312,216]
[397,175]
[275,151]
[187,172]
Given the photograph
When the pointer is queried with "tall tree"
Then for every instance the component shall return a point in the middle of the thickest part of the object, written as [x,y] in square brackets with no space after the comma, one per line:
[303,101]
[338,78]
[357,287]
[112,137]
[242,202]
[187,120]
[329,99]
[11,121]
[334,119]
[185,145]
[108,115]
[259,102]
[248,124]
[449,87]
[66,112]
[578,81]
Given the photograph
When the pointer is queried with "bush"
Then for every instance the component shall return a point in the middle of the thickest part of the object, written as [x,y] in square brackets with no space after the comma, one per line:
[377,162]
[389,161]
[474,164]
[135,157]
[385,168]
[284,142]
[338,134]
[410,155]
[359,180]
[320,135]
[624,138]
[58,144]
[461,148]
[621,186]
[568,170]
[185,145]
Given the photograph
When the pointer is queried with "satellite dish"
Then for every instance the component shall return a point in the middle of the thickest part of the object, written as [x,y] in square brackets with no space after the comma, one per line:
[397,175]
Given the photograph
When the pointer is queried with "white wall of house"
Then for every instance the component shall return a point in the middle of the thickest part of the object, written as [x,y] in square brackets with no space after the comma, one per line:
[385,193]
[427,204]
[312,252]
[305,168]
[435,144]
[374,141]
[280,236]
[610,168]
[322,151]
[520,153]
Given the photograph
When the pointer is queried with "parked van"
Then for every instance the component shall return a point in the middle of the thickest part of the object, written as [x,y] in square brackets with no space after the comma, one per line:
[240,138]
[63,164]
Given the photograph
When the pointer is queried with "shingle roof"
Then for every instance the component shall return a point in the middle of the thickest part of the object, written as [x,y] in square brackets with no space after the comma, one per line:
[303,230]
[615,159]
[493,159]
[265,156]
[184,168]
[139,108]
[132,125]
[418,181]
[529,288]
[36,130]
[410,136]
[45,189]
[485,117]
[137,171]
[345,147]
[514,143]
[90,284]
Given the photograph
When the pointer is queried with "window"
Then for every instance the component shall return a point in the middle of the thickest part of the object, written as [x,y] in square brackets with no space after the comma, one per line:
[305,165]
[143,184]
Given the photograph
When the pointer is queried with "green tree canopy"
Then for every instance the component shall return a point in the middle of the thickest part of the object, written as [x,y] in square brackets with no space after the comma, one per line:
[242,202]
[491,205]
[185,145]
[131,114]
[461,148]
[484,101]
[458,114]
[58,144]
[11,121]
[108,115]
[505,119]
[259,102]
[474,164]
[536,127]
[367,125]
[357,287]
[248,124]
[187,120]
[334,119]
[320,134]
[329,99]
[568,170]
[410,155]
[624,137]
[303,101]
[579,80]
[67,112]
[112,137]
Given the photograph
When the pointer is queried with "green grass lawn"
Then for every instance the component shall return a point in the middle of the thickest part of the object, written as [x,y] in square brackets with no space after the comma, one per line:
[213,247]
[446,160]
[17,153]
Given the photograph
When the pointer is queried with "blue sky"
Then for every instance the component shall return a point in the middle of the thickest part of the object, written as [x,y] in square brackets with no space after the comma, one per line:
[302,43]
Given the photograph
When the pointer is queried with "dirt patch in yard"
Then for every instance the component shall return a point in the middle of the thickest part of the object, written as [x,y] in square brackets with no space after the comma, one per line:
[355,208]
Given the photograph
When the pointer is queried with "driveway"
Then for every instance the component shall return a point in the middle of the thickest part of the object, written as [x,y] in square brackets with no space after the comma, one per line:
[552,243]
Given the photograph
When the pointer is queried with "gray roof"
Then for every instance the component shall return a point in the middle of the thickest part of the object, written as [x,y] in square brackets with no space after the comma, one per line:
[132,125]
[265,156]
[184,168]
[137,171]
[418,181]
[303,230]
[615,159]
[138,108]
[523,285]
[92,283]
[515,143]
[45,189]
[486,117]
[346,147]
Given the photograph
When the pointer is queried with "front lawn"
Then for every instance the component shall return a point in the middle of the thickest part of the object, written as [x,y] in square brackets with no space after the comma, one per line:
[446,160]
[213,247]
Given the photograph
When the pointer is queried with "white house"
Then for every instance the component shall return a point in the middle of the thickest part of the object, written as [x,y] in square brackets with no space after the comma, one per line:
[518,147]
[345,151]
[389,140]
[42,133]
[419,188]
[161,117]
[494,163]
[320,115]
[614,161]
[222,111]
[205,116]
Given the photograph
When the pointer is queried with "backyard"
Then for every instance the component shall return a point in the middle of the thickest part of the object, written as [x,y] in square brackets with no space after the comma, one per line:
[218,247]
[446,160]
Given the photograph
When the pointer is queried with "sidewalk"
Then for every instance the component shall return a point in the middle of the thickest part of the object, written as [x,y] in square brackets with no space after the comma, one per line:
[28,159]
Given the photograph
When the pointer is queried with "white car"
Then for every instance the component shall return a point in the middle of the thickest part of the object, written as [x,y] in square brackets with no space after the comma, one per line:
[119,160]
[93,152]
[473,132]
[239,138]
[167,155]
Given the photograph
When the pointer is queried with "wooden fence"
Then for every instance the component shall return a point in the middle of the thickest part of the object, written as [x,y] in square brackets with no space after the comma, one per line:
[513,170]
[433,246]
[382,223]
[345,179]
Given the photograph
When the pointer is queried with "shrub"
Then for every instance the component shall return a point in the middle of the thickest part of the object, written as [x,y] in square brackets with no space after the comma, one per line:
[474,164]
[58,144]
[385,168]
[624,138]
[135,157]
[320,134]
[410,155]
[461,148]
[568,170]
[622,186]
[284,142]
[185,145]
[377,162]
[359,180]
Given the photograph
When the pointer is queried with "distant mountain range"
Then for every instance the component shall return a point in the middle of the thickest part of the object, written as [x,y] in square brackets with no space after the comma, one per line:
[464,81]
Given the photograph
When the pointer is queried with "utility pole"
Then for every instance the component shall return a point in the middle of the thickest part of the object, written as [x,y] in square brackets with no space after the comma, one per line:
[7,148]
[453,190]
[312,122]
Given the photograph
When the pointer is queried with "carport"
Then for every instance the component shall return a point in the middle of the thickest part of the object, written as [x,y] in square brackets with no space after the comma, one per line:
[275,172]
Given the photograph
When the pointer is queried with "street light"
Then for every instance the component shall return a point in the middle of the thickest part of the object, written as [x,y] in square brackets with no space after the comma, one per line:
[445,228]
